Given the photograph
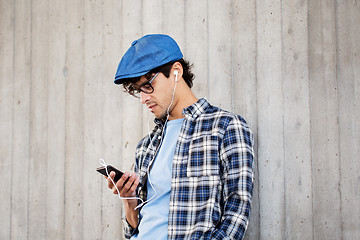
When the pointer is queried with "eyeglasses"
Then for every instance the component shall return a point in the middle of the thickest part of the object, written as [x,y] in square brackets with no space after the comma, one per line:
[146,87]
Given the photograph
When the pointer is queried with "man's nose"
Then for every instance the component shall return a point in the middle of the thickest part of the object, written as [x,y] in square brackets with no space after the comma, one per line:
[144,97]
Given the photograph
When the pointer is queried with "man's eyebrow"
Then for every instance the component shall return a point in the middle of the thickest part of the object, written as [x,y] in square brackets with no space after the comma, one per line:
[148,77]
[139,83]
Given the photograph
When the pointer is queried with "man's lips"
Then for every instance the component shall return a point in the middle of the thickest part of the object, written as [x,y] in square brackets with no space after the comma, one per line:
[151,106]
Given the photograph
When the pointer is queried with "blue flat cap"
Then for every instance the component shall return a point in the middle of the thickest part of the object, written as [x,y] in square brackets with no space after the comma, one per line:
[145,54]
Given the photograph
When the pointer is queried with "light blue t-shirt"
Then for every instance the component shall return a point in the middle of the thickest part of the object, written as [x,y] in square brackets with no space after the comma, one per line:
[154,215]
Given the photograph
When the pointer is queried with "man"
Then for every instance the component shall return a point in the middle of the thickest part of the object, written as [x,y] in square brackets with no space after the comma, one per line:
[196,166]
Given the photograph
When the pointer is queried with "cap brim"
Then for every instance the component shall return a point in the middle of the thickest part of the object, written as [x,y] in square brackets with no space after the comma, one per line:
[122,79]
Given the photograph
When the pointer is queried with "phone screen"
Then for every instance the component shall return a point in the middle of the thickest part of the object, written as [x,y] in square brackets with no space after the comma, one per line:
[110,168]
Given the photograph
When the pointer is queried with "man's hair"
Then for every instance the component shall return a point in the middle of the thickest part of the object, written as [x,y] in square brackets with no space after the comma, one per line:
[188,76]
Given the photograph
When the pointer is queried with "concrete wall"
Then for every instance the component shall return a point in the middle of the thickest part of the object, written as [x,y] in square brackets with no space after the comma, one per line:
[291,68]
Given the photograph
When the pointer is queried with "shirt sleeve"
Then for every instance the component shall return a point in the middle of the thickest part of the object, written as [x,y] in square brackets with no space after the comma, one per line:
[237,154]
[128,229]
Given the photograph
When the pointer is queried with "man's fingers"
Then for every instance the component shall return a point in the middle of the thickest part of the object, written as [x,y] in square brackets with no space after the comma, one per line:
[134,186]
[127,184]
[120,184]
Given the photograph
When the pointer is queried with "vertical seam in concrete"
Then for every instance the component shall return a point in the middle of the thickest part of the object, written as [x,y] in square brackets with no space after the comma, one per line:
[142,115]
[102,113]
[232,56]
[257,114]
[283,116]
[83,116]
[30,120]
[208,52]
[65,117]
[162,15]
[184,30]
[12,126]
[310,110]
[338,114]
[47,124]
[122,109]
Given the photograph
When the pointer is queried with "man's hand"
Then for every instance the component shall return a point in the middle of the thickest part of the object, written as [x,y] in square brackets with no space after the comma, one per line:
[127,189]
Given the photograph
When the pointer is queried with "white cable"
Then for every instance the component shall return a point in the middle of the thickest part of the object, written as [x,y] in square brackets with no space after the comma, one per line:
[172,99]
[162,137]
[148,173]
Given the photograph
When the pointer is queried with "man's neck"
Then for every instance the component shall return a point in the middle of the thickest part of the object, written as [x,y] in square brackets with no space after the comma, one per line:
[185,101]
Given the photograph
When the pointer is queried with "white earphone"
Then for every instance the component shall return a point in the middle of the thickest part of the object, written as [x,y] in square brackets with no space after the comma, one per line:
[176,72]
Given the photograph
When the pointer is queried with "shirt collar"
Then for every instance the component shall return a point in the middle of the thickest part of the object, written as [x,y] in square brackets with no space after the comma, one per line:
[198,108]
[193,111]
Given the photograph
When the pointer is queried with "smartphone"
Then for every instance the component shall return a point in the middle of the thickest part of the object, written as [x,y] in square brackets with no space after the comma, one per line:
[110,168]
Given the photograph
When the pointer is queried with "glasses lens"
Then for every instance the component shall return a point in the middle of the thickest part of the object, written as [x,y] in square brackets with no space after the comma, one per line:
[147,88]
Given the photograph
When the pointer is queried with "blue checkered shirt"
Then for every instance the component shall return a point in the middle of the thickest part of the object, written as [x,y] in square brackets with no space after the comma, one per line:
[212,174]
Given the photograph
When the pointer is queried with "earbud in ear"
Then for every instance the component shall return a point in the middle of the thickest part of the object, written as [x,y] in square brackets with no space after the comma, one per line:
[176,72]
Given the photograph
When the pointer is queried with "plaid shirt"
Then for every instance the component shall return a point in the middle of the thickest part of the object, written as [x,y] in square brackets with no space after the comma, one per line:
[212,174]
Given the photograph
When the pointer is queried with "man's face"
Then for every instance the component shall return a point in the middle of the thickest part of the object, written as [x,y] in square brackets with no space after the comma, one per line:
[160,99]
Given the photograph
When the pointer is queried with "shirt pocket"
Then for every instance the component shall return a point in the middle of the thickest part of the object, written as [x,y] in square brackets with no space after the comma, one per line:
[203,157]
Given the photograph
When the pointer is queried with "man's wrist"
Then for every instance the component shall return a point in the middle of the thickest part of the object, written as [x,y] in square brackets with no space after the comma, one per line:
[131,215]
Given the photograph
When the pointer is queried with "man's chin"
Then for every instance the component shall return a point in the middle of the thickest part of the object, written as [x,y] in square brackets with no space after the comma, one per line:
[161,116]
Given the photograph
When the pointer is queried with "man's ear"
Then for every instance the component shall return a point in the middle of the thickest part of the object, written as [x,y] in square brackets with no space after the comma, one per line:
[177,70]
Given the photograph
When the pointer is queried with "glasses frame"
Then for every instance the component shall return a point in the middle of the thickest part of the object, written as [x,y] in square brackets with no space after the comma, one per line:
[148,83]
